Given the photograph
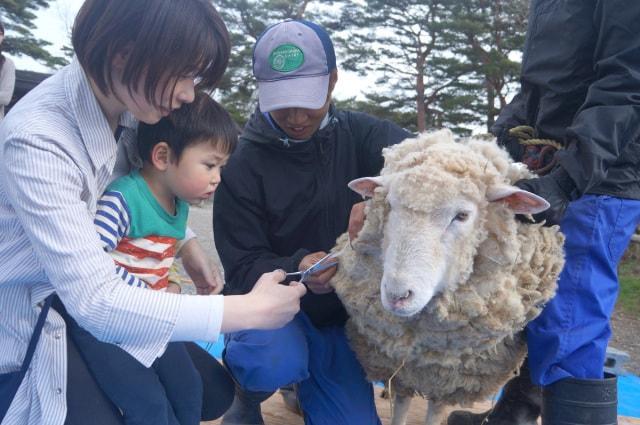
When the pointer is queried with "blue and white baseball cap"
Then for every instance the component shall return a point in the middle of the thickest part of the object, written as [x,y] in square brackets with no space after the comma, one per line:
[292,61]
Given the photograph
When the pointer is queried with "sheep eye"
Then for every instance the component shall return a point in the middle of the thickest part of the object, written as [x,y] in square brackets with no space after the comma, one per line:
[461,216]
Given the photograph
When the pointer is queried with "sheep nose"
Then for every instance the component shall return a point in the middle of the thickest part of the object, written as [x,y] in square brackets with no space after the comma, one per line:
[399,299]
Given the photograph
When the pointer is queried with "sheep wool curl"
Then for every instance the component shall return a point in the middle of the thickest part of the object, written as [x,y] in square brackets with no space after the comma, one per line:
[466,342]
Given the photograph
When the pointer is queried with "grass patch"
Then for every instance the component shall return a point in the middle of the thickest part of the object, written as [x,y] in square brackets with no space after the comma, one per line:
[629,297]
[629,276]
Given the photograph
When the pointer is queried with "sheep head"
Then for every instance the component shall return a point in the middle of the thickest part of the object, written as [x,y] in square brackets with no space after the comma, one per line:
[437,194]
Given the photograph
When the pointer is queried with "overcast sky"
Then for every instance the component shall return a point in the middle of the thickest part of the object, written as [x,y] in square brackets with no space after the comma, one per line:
[54,24]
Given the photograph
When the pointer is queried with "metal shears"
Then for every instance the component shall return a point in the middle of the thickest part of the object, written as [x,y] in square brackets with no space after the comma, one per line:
[322,264]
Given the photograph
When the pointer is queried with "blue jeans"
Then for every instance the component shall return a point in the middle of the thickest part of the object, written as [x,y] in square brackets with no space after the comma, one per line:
[332,387]
[569,338]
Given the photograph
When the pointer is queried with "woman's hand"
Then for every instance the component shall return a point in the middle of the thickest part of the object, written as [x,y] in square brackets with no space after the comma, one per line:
[269,305]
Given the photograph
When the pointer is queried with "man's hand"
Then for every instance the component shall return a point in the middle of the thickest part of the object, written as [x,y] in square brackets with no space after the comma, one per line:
[206,277]
[356,219]
[557,188]
[317,283]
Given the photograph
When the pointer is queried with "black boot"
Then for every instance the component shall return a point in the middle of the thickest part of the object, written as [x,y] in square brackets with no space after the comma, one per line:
[245,409]
[581,401]
[519,404]
[289,395]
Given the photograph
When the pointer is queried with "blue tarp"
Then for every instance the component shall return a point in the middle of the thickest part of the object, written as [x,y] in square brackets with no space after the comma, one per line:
[215,348]
[628,385]
[629,396]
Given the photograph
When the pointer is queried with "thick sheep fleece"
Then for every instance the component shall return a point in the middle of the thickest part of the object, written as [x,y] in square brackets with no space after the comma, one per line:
[466,342]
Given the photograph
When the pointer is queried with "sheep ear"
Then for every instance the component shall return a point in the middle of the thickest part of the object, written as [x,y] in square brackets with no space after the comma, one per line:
[520,201]
[365,186]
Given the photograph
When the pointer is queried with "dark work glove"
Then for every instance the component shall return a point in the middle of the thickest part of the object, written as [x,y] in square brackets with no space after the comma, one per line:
[557,188]
[511,144]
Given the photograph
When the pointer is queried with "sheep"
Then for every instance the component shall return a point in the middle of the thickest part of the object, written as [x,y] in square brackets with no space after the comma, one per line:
[442,277]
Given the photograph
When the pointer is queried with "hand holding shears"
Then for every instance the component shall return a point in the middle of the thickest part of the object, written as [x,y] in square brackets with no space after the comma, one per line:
[317,269]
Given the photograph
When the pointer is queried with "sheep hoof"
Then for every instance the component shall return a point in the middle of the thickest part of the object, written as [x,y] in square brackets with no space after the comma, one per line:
[463,417]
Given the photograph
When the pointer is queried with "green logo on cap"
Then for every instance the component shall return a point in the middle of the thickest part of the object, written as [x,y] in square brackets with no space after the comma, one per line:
[286,58]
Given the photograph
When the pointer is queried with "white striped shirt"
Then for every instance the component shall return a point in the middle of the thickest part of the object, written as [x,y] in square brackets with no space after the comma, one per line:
[57,155]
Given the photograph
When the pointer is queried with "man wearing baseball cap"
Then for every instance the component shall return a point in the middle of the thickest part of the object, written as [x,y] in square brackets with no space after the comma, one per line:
[282,203]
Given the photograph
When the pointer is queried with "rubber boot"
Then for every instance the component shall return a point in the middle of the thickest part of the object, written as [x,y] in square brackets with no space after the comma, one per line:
[519,404]
[289,395]
[245,409]
[581,401]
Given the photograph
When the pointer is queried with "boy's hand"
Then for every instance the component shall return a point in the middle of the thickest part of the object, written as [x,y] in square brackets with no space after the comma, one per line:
[211,283]
[203,273]
[173,288]
[218,285]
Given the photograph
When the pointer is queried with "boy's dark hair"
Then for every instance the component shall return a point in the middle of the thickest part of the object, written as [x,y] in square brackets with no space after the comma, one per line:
[204,120]
[162,39]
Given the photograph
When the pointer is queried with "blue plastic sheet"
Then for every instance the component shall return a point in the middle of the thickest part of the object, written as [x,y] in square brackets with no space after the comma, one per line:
[629,396]
[214,348]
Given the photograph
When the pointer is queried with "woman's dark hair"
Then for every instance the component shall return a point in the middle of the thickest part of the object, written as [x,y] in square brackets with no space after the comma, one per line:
[203,120]
[161,39]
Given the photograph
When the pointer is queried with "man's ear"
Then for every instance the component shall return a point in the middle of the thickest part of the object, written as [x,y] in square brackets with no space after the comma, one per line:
[333,79]
[161,156]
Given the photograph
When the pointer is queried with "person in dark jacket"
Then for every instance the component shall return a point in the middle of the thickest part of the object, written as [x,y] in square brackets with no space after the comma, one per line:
[579,98]
[282,203]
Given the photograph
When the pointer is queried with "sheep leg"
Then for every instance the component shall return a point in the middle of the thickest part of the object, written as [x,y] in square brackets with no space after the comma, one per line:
[436,413]
[400,412]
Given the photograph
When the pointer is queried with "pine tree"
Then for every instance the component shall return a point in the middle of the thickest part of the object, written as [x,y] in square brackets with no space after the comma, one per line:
[451,61]
[18,17]
[489,34]
[403,41]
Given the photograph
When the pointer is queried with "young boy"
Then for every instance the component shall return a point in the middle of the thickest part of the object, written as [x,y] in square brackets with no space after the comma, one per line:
[141,220]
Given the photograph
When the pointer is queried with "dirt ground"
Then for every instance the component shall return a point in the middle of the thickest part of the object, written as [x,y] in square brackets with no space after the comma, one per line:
[626,337]
[275,413]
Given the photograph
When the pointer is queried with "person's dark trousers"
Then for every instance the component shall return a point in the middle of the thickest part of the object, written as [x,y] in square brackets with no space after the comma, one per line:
[87,402]
[167,393]
[217,383]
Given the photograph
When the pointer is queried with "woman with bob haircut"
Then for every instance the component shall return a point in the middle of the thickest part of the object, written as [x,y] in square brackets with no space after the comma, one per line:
[59,148]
